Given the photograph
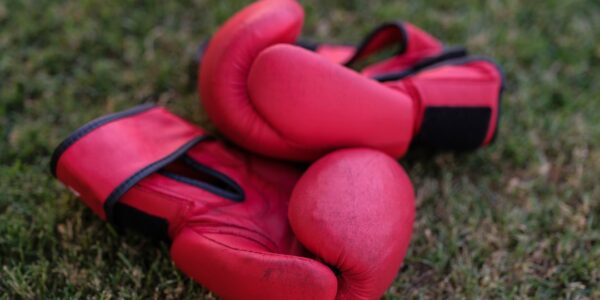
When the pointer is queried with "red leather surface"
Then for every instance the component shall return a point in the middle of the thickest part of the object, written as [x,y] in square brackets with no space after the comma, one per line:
[232,105]
[225,70]
[117,150]
[419,45]
[247,249]
[338,54]
[321,105]
[355,210]
[471,84]
[282,101]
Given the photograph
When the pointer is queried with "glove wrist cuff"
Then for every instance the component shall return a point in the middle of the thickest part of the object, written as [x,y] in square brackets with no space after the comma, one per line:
[105,158]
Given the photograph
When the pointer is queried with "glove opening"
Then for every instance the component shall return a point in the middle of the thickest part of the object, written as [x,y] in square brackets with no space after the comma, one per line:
[189,171]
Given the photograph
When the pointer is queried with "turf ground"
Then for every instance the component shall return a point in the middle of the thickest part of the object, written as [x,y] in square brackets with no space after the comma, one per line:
[520,219]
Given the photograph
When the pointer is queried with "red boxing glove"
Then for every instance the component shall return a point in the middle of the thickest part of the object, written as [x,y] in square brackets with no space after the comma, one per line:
[239,224]
[281,100]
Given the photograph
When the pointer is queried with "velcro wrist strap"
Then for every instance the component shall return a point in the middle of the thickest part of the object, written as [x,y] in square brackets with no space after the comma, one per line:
[460,103]
[102,160]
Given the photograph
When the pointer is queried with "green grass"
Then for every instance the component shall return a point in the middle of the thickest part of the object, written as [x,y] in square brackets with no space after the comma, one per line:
[520,219]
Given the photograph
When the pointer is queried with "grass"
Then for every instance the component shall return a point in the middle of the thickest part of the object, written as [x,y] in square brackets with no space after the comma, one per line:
[520,219]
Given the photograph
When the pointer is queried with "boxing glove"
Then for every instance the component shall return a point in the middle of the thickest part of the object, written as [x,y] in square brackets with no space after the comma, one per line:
[243,226]
[278,99]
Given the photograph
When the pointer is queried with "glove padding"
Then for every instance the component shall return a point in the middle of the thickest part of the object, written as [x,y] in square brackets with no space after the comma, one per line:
[281,100]
[226,212]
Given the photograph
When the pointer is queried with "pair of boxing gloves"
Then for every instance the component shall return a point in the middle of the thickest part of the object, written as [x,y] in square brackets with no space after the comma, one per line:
[247,227]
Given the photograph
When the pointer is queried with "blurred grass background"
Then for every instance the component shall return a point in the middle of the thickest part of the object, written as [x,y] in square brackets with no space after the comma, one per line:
[519,219]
